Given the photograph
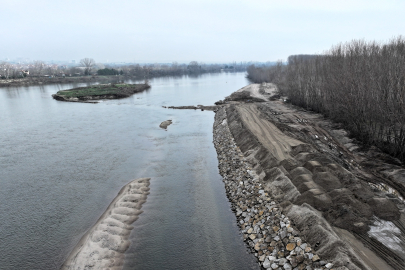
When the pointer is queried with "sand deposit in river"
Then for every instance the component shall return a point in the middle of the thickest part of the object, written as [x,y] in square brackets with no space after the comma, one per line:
[165,124]
[104,245]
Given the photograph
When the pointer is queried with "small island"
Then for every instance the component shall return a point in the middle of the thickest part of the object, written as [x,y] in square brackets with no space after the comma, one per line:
[100,91]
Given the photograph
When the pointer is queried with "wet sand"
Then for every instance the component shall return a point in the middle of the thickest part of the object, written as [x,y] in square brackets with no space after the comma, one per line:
[104,245]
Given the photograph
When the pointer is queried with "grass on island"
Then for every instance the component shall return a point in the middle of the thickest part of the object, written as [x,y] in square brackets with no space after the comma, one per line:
[99,90]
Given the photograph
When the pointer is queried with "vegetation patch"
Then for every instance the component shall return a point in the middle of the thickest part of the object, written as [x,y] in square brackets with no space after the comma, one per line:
[109,71]
[102,91]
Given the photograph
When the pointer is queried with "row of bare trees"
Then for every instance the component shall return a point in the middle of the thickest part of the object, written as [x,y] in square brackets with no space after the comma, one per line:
[39,68]
[259,74]
[360,84]
[88,66]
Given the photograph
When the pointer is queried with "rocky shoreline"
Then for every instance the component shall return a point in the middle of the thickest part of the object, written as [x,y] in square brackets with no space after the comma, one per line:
[270,234]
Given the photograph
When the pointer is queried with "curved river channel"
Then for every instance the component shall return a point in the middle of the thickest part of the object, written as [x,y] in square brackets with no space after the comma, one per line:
[61,164]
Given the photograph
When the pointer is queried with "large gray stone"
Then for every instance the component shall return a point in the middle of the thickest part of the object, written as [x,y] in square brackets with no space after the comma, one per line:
[266,264]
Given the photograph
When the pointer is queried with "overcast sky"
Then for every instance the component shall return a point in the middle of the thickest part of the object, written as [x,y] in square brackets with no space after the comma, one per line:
[186,30]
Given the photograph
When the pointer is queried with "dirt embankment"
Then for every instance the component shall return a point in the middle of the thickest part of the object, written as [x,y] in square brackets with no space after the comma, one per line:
[331,191]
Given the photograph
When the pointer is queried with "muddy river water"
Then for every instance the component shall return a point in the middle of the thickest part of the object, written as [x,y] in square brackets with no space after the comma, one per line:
[62,163]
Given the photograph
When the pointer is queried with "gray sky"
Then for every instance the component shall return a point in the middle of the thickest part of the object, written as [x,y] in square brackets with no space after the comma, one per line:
[185,30]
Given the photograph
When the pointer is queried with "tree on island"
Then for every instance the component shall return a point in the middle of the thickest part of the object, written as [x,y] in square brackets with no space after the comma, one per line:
[108,71]
[194,67]
[88,63]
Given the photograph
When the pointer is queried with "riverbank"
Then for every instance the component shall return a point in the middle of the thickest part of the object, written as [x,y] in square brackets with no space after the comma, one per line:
[293,179]
[100,91]
[104,245]
[27,81]
[269,234]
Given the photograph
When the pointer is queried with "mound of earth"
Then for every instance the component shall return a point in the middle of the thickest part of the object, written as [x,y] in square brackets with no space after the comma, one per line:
[165,124]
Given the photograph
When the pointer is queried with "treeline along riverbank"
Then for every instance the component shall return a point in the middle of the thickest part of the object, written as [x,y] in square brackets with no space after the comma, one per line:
[360,84]
[88,71]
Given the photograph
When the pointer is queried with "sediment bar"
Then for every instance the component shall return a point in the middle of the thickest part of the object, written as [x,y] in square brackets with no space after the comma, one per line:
[104,245]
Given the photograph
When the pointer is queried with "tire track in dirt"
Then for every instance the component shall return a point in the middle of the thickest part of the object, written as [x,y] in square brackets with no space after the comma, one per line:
[267,133]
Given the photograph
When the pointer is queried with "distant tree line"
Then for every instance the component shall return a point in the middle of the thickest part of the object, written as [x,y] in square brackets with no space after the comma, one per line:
[89,67]
[39,68]
[176,69]
[360,84]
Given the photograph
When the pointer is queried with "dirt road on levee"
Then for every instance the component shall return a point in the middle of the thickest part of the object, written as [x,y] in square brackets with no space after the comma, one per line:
[344,200]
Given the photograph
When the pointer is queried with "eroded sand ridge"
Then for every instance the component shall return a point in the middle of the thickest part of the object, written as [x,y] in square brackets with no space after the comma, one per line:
[104,245]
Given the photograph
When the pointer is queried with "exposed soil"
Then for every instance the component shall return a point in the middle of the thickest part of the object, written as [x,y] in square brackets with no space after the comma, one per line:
[323,178]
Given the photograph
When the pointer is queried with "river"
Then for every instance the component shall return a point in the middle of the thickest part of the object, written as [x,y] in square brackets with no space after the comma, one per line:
[62,163]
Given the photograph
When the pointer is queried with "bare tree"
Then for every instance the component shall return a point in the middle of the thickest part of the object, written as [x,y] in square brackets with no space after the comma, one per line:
[146,71]
[4,69]
[194,67]
[175,66]
[38,67]
[88,63]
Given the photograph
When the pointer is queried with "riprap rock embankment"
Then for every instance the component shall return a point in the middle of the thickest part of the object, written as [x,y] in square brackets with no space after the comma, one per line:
[269,233]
